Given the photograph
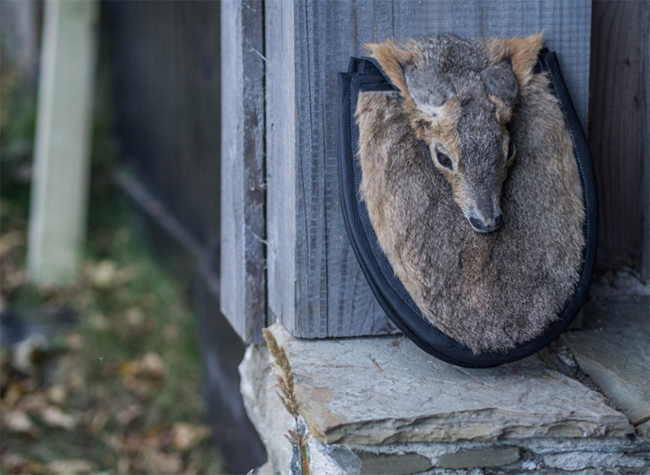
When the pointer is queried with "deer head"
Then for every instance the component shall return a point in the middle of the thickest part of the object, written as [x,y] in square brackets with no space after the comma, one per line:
[459,96]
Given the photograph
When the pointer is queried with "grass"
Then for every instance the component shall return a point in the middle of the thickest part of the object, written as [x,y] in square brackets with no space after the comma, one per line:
[118,390]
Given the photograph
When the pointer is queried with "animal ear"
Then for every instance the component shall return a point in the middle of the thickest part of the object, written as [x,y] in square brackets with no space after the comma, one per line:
[522,53]
[392,58]
[500,81]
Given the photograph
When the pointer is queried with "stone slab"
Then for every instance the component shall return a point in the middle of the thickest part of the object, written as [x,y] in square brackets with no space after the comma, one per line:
[613,349]
[492,457]
[393,464]
[385,390]
[272,422]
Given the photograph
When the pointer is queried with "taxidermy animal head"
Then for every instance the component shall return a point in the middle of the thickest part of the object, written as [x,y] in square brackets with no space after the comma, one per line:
[460,96]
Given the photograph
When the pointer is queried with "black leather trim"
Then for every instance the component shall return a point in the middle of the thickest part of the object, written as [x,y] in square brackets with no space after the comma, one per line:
[364,74]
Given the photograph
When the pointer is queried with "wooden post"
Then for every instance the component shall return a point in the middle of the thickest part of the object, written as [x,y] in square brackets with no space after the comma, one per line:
[59,194]
[315,286]
[243,265]
[619,137]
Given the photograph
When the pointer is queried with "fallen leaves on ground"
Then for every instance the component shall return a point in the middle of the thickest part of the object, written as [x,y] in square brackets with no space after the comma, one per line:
[64,410]
[20,423]
[56,418]
[67,407]
[145,375]
[70,467]
[186,436]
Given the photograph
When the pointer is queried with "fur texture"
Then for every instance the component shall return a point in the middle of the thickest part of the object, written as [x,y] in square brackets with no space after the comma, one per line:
[490,291]
[459,96]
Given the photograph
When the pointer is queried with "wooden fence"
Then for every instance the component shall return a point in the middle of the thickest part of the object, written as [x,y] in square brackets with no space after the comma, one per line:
[166,68]
[619,132]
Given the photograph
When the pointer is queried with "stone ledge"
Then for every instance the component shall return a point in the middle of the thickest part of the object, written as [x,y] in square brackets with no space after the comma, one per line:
[613,349]
[386,390]
[380,402]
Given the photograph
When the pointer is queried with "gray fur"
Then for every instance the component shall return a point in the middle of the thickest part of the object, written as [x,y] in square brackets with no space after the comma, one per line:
[442,71]
[500,81]
[450,67]
[495,291]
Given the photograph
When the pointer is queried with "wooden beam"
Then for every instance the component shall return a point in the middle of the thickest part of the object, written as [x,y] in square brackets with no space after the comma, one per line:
[63,130]
[315,286]
[243,264]
[619,137]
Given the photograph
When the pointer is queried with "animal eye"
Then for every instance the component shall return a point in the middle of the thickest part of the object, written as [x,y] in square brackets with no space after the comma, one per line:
[444,160]
[512,150]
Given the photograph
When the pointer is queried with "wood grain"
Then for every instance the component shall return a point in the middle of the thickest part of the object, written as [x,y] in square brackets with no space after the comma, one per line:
[243,286]
[619,134]
[315,285]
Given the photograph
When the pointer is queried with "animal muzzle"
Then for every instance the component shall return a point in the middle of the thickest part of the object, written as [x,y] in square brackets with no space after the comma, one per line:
[485,219]
[485,226]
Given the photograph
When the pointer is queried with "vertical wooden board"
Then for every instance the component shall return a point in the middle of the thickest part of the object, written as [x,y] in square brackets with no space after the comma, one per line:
[315,285]
[280,160]
[645,148]
[618,134]
[63,133]
[243,282]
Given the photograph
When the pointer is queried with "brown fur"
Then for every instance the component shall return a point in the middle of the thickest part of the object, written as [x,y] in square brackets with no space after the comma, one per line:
[495,291]
[521,51]
[392,58]
[459,97]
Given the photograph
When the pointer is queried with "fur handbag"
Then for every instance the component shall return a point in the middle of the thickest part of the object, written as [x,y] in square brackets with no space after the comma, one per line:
[468,193]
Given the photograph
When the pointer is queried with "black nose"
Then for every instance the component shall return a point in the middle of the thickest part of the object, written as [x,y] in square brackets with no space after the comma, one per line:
[477,224]
[486,226]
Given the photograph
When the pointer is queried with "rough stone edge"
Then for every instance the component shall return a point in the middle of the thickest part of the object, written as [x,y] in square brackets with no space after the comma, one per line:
[632,452]
[617,425]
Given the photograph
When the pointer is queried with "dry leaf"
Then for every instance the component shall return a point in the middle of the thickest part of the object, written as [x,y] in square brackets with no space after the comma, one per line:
[54,417]
[76,380]
[186,436]
[160,462]
[10,240]
[19,423]
[103,274]
[152,366]
[158,437]
[73,342]
[123,466]
[191,469]
[129,368]
[70,467]
[33,402]
[97,421]
[129,414]
[57,394]
[27,352]
[99,321]
[114,442]
[135,317]
[139,387]
[14,393]
[14,463]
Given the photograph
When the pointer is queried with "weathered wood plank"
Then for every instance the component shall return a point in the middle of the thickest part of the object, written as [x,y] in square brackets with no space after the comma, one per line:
[315,285]
[243,282]
[618,132]
[62,155]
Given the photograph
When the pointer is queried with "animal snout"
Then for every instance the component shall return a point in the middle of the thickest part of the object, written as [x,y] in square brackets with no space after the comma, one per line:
[484,225]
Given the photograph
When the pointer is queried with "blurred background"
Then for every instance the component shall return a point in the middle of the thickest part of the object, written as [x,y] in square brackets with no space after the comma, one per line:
[115,357]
